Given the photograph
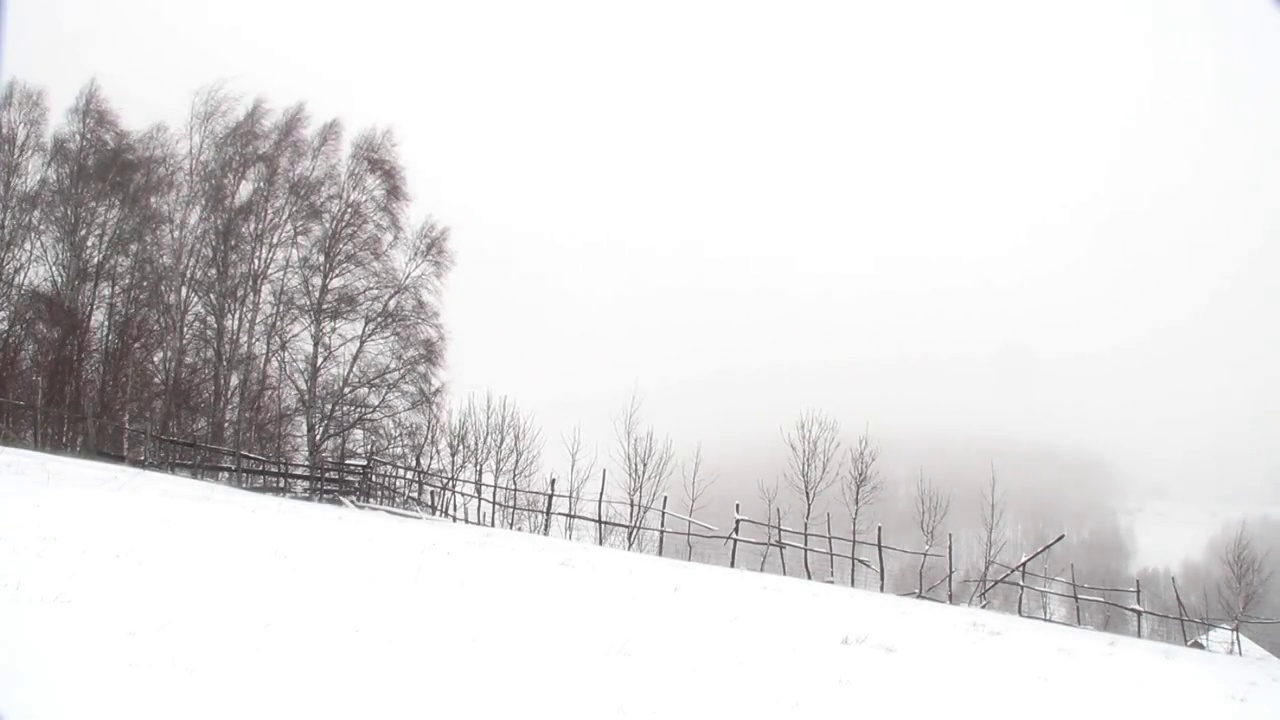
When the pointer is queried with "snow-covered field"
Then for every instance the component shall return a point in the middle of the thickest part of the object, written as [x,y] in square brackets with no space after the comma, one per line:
[136,595]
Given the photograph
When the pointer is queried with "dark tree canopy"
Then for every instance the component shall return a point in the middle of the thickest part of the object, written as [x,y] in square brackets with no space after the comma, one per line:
[250,278]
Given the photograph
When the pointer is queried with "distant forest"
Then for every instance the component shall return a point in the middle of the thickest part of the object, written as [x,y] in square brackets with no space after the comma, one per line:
[251,278]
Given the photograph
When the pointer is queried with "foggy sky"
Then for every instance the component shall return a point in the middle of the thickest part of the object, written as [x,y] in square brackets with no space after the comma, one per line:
[974,225]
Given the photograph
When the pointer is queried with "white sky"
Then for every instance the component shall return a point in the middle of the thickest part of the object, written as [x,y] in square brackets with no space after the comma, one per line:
[1048,222]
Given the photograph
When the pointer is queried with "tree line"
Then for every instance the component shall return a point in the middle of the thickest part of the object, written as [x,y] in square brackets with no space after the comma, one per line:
[250,278]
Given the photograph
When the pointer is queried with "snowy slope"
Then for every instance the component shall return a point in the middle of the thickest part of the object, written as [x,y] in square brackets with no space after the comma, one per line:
[130,594]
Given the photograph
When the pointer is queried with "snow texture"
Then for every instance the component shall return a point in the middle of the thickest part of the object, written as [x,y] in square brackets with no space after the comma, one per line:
[139,595]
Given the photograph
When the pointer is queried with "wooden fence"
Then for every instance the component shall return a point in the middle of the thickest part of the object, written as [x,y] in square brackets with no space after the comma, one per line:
[385,485]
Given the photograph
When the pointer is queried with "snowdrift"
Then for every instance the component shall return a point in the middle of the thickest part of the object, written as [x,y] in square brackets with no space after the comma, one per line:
[131,594]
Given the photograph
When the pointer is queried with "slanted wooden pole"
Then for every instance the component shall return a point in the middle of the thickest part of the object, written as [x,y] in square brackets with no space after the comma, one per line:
[951,570]
[600,510]
[1075,594]
[1138,604]
[1181,610]
[1022,564]
[737,523]
[662,527]
[880,554]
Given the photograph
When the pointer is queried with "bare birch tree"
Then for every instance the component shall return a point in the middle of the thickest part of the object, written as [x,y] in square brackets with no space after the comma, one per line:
[646,462]
[525,470]
[581,470]
[1245,575]
[813,464]
[994,535]
[931,508]
[860,487]
[768,494]
[694,483]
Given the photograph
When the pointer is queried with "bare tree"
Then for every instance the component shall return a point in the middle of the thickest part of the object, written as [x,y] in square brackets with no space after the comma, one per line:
[526,465]
[581,469]
[768,494]
[860,487]
[368,324]
[813,448]
[695,483]
[24,118]
[931,508]
[1245,575]
[646,463]
[994,536]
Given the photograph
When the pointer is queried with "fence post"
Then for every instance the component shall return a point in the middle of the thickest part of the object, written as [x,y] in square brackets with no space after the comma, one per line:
[737,521]
[454,513]
[1138,603]
[950,569]
[493,511]
[831,551]
[600,509]
[1022,588]
[431,497]
[662,526]
[89,442]
[782,550]
[546,523]
[853,556]
[1181,610]
[417,478]
[1075,595]
[39,414]
[880,554]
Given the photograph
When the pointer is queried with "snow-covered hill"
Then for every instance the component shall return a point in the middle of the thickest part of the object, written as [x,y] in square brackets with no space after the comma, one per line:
[139,595]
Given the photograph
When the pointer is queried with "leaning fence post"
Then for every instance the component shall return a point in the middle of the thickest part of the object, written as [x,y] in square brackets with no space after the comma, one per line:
[880,554]
[600,509]
[1075,594]
[1138,603]
[737,522]
[1181,610]
[782,550]
[950,568]
[546,523]
[662,526]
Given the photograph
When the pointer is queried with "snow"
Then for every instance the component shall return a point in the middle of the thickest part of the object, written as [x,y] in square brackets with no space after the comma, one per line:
[131,594]
[1226,642]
